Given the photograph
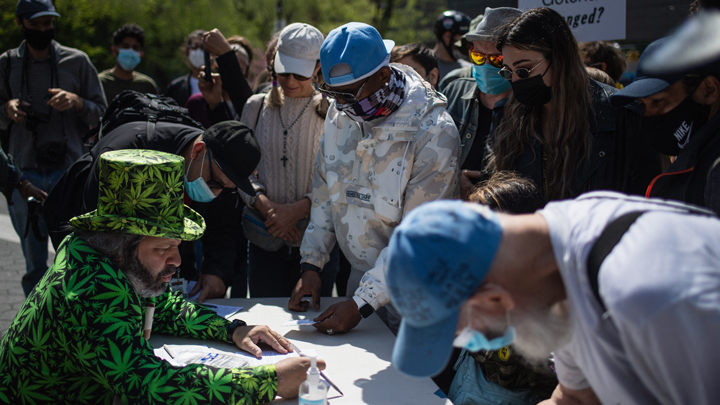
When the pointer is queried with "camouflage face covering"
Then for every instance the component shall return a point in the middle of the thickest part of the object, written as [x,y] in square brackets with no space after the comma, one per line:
[141,193]
[380,104]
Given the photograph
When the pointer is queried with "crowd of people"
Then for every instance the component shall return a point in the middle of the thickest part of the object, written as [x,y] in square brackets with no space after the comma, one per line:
[527,226]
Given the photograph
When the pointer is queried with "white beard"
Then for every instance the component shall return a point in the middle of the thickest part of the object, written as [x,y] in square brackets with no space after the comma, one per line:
[541,332]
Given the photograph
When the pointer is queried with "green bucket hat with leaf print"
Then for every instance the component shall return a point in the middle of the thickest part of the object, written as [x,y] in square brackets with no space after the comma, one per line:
[141,193]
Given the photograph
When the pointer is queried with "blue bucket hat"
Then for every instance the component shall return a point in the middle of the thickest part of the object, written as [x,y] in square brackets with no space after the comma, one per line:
[353,52]
[645,84]
[437,258]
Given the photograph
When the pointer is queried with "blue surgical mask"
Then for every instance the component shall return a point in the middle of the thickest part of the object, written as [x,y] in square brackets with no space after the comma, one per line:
[128,59]
[197,189]
[474,341]
[488,80]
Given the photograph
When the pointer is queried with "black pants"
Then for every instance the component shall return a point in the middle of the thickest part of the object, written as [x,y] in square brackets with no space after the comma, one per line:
[275,274]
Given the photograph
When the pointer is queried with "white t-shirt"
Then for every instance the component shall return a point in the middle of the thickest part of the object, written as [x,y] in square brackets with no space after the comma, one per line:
[661,286]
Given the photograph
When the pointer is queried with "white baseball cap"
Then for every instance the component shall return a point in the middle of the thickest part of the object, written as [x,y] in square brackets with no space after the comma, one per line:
[298,49]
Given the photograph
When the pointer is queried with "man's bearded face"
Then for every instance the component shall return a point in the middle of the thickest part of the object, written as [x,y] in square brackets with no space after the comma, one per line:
[147,283]
[540,332]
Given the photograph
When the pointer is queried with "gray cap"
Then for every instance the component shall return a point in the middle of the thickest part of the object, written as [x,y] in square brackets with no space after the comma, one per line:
[494,20]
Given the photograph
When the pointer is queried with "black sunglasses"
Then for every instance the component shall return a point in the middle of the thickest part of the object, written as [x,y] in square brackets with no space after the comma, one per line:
[347,97]
[295,75]
[522,73]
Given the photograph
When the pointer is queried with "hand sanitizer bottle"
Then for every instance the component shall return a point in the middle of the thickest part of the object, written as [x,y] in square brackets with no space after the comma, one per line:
[313,391]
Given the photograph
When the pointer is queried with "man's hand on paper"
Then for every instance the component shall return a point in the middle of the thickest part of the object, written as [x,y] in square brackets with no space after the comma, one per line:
[291,373]
[339,318]
[211,286]
[247,338]
[309,283]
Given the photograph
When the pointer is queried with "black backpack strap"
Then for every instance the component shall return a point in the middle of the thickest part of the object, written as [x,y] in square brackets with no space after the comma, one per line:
[609,237]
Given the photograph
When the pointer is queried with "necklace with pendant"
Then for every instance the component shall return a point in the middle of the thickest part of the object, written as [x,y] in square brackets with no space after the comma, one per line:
[285,130]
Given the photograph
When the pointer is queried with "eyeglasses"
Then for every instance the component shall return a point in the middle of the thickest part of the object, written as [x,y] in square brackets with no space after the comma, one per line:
[481,58]
[347,97]
[295,75]
[522,73]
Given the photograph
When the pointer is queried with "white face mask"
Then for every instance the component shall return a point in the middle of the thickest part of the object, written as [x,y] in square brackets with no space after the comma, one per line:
[197,58]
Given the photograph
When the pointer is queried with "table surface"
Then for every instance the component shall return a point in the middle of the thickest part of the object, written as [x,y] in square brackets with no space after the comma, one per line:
[358,362]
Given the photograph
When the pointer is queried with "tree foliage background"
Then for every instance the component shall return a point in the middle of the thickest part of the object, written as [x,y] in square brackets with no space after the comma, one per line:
[88,24]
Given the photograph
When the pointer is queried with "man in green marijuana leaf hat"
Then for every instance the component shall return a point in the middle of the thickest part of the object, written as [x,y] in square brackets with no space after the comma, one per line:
[78,338]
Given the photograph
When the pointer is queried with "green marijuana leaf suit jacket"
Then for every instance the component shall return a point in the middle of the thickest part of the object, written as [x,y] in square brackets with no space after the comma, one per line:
[77,339]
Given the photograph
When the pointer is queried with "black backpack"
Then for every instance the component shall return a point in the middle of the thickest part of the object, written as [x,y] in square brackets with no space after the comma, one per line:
[131,106]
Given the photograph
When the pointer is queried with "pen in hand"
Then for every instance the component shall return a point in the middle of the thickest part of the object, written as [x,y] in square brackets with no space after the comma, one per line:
[296,350]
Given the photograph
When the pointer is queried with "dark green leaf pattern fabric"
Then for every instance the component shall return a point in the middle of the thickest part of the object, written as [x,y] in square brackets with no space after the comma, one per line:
[141,192]
[77,339]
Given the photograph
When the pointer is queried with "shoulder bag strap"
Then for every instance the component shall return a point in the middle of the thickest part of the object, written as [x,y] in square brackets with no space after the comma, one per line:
[609,237]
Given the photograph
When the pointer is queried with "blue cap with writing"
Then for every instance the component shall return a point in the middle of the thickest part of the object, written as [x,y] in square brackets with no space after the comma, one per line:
[437,257]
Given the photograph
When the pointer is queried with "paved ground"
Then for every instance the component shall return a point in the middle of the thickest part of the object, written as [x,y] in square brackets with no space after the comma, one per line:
[12,268]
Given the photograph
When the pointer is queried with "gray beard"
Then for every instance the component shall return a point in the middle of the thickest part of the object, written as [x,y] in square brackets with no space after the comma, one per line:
[542,332]
[141,278]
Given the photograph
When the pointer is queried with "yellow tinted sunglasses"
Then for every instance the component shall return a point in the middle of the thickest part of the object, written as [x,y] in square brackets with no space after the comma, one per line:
[481,58]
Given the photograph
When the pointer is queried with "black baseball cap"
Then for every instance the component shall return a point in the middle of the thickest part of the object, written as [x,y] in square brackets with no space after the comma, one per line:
[645,84]
[235,150]
[29,9]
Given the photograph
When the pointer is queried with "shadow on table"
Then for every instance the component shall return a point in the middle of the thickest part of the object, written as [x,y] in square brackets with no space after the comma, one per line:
[375,390]
[357,337]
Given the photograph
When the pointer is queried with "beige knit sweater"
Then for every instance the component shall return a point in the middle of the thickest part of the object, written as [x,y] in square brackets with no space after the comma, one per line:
[289,183]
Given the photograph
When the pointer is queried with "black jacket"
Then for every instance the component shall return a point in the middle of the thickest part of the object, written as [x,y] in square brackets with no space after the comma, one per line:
[235,83]
[694,177]
[77,192]
[619,159]
[180,89]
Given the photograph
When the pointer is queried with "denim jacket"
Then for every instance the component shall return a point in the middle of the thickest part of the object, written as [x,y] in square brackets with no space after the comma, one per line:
[463,102]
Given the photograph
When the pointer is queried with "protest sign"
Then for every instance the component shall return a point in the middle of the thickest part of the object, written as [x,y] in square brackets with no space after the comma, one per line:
[590,20]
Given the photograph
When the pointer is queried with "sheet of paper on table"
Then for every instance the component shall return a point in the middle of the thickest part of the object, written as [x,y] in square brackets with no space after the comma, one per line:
[182,355]
[300,322]
[223,310]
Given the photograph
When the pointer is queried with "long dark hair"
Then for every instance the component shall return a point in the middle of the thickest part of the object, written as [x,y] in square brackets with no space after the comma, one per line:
[567,143]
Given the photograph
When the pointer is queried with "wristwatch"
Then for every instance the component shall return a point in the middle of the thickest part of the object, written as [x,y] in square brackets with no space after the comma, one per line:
[364,308]
[231,329]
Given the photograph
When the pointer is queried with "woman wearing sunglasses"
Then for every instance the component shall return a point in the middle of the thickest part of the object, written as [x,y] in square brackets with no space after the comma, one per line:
[288,125]
[559,128]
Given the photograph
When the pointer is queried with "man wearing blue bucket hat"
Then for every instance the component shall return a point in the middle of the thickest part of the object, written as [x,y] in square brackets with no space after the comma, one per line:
[388,146]
[622,290]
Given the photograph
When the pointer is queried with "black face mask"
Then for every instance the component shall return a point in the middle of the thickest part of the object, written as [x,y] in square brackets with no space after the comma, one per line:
[670,132]
[39,40]
[532,91]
